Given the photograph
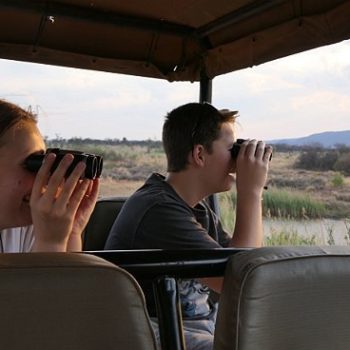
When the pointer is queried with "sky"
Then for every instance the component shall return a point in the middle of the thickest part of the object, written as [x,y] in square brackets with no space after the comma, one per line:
[292,97]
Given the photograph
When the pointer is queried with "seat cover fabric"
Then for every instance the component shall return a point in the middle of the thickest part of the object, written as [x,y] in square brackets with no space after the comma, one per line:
[97,230]
[290,298]
[56,301]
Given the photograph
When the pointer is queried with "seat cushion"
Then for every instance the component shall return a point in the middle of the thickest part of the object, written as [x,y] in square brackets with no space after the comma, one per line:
[105,212]
[55,301]
[286,298]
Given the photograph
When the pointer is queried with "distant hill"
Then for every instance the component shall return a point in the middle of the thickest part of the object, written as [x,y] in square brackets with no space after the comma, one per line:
[327,139]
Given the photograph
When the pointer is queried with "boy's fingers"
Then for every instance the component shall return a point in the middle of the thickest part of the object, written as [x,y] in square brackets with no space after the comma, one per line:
[250,148]
[260,149]
[268,153]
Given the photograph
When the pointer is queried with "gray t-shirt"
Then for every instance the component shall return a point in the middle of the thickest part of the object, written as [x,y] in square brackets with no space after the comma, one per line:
[155,217]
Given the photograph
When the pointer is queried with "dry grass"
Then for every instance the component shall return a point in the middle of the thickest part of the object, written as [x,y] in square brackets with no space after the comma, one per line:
[282,175]
[122,188]
[282,161]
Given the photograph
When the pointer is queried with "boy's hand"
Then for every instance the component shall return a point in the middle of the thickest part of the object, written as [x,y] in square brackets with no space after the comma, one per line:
[252,165]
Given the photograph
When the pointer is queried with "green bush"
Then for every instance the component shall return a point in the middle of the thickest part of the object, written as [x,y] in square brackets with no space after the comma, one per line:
[316,158]
[343,163]
[338,180]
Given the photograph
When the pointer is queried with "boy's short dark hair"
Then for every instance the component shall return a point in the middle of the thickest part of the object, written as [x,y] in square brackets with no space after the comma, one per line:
[189,125]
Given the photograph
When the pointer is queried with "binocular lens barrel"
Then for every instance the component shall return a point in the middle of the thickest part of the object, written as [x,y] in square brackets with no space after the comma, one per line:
[236,147]
[99,161]
[91,166]
[94,164]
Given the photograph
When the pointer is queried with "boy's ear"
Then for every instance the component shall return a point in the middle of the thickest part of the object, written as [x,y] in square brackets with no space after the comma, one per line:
[197,156]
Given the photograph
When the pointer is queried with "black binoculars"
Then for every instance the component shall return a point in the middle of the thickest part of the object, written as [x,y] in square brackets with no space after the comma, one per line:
[94,163]
[237,146]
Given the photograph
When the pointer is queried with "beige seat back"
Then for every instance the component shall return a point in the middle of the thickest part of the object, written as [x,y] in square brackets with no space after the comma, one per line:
[61,301]
[286,299]
[105,212]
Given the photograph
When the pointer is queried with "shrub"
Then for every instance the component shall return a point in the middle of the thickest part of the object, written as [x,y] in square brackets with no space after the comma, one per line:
[337,180]
[317,159]
[343,163]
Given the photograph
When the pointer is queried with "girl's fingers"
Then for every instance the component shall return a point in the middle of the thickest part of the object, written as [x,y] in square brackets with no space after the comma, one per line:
[71,184]
[43,176]
[79,192]
[84,197]
[95,189]
[57,176]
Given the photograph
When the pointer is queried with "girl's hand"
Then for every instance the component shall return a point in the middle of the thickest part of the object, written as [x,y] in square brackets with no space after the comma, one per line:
[83,214]
[55,201]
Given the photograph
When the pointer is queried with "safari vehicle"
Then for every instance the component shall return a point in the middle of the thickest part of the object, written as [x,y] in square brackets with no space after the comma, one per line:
[273,298]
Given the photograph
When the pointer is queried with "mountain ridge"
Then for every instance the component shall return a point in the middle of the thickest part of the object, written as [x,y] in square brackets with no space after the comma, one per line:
[327,139]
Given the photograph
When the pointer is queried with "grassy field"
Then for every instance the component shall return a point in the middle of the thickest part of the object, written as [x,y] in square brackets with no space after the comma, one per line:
[292,193]
[324,192]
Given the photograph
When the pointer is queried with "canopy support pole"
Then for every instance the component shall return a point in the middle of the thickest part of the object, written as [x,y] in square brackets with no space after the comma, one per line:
[205,95]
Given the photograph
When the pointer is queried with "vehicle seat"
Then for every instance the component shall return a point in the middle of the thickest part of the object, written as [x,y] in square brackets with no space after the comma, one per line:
[70,301]
[105,212]
[290,298]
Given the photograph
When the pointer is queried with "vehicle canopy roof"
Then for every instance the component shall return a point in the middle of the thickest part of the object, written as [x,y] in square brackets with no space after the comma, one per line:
[178,40]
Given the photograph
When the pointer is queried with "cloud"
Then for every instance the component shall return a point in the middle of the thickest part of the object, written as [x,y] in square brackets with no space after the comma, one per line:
[294,96]
[289,97]
[325,101]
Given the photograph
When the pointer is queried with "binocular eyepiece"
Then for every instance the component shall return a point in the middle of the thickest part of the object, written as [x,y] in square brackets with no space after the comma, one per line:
[94,163]
[237,146]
